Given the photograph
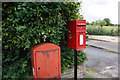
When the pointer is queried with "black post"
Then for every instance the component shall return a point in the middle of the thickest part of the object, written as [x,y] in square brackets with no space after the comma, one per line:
[75,65]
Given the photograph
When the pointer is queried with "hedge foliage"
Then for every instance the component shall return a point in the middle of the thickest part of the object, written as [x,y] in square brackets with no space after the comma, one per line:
[25,24]
[95,30]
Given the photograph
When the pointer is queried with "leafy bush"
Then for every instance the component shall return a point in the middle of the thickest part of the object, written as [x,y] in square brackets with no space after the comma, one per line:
[26,24]
[67,58]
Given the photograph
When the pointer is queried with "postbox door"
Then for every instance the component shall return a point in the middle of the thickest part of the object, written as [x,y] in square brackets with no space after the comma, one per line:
[81,40]
[47,64]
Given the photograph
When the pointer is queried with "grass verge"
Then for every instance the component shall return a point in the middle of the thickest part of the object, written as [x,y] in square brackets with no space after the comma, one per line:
[110,51]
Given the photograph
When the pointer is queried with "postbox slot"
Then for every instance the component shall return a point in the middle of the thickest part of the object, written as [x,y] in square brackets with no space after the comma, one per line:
[81,31]
[79,25]
[47,51]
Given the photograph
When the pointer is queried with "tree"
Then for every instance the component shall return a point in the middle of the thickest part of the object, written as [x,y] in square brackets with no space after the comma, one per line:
[107,20]
[96,22]
[102,23]
[92,23]
[87,23]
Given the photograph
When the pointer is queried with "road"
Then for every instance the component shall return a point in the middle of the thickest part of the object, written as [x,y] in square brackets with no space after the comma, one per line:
[104,44]
[105,63]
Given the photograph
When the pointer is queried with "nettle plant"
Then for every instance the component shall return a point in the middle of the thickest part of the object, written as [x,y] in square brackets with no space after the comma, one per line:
[25,24]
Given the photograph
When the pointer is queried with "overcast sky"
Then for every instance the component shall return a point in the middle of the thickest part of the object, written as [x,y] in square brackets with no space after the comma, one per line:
[93,10]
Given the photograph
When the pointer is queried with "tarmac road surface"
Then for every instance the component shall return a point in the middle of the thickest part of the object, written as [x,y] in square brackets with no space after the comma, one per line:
[105,63]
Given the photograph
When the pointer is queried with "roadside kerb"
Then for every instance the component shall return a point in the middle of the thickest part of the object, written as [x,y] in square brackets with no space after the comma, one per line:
[102,48]
[105,38]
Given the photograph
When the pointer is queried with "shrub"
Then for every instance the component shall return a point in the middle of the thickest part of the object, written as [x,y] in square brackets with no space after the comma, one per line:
[102,23]
[26,24]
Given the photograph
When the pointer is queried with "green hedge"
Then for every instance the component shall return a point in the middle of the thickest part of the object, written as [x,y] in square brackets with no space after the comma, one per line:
[93,30]
[25,24]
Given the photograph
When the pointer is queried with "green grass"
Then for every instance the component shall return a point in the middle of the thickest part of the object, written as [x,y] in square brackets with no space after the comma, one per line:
[108,27]
[90,76]
[94,74]
[110,51]
[91,69]
[105,30]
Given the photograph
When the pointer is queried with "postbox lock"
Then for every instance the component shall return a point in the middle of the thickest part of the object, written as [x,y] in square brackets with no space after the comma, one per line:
[39,68]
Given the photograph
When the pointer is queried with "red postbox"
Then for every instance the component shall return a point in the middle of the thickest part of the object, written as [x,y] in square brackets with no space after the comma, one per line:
[46,62]
[76,34]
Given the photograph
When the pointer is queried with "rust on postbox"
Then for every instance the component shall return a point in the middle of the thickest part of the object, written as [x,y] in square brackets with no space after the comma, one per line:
[76,34]
[46,62]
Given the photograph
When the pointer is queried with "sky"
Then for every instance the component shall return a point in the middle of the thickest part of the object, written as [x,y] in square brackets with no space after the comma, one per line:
[93,10]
